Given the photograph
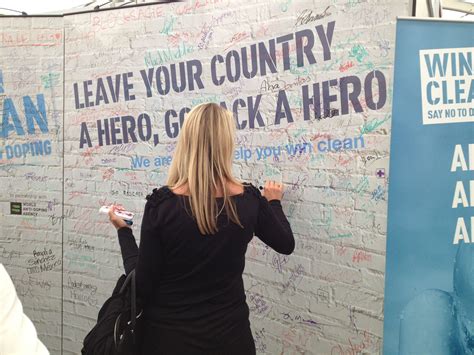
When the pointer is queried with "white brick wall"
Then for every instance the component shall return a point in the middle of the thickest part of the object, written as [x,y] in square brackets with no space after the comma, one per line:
[326,298]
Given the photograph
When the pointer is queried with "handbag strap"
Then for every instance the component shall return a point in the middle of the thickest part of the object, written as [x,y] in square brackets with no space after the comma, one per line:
[133,301]
[127,280]
[134,305]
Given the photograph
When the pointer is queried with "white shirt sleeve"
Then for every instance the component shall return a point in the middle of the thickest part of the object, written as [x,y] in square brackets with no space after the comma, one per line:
[17,333]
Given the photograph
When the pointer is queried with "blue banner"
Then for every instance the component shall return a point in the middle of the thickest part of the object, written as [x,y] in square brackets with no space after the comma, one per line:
[429,284]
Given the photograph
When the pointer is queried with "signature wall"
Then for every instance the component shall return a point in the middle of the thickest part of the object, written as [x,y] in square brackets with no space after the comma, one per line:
[104,94]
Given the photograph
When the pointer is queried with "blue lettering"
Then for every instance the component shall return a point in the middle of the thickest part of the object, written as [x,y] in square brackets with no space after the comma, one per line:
[172,130]
[9,110]
[459,91]
[429,92]
[286,113]
[336,145]
[434,64]
[321,149]
[39,114]
[361,139]
[138,162]
[465,64]
[215,80]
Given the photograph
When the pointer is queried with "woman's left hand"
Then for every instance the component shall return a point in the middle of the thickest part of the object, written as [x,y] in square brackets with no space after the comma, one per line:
[114,219]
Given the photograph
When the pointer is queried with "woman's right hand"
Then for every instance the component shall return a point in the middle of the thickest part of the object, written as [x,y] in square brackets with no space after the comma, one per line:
[114,219]
[273,190]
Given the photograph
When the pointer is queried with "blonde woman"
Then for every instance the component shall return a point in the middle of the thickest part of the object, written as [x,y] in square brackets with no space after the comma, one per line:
[194,236]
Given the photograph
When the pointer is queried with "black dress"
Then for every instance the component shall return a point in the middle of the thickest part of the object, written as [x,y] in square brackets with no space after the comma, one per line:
[191,283]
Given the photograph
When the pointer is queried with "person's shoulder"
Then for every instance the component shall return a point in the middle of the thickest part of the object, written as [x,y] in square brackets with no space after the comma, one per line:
[158,195]
[251,190]
[4,276]
[7,289]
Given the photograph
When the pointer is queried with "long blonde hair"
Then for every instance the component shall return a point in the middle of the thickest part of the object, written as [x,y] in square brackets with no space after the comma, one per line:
[203,161]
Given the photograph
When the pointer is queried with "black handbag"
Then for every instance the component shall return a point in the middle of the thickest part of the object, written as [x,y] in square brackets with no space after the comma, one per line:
[119,324]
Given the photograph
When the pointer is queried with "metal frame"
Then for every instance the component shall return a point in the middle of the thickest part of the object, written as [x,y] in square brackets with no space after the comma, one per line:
[460,6]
